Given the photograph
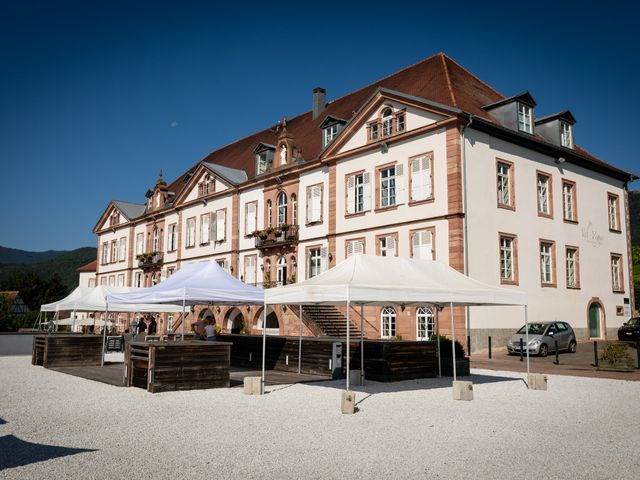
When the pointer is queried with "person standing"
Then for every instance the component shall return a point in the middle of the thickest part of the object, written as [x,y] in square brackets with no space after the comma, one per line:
[210,332]
[153,326]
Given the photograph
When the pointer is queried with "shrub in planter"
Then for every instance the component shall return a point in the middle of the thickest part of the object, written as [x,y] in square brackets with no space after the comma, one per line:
[616,356]
[445,346]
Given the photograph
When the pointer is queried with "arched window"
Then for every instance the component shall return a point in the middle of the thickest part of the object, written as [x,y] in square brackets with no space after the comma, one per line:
[155,239]
[387,122]
[282,208]
[424,323]
[281,271]
[388,319]
[154,279]
[294,269]
[268,213]
[294,210]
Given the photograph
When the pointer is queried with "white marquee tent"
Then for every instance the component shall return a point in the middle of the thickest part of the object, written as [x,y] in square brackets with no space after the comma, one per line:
[372,280]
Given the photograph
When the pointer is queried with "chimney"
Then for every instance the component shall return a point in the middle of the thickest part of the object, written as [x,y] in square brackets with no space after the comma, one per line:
[318,101]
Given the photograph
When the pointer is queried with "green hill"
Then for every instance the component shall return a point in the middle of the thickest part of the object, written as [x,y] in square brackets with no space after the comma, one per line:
[64,265]
[14,256]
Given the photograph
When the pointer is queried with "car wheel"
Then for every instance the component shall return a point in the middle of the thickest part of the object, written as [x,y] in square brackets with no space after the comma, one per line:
[572,346]
[544,350]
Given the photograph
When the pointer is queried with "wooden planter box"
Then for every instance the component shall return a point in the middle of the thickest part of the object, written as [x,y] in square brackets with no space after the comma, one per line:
[385,360]
[169,366]
[462,367]
[66,350]
[616,367]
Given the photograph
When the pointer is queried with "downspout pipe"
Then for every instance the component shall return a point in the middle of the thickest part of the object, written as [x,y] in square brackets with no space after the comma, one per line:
[463,131]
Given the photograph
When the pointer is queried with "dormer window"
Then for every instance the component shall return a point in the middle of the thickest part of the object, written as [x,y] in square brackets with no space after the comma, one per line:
[207,186]
[388,123]
[329,134]
[524,118]
[566,135]
[264,156]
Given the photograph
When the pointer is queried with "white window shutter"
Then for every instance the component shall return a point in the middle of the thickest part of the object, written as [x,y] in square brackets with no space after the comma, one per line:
[350,245]
[399,183]
[214,225]
[391,246]
[251,218]
[316,203]
[351,194]
[324,262]
[221,218]
[426,169]
[366,191]
[309,205]
[358,247]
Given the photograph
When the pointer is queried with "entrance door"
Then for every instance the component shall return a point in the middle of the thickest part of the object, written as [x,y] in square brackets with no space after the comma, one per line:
[281,272]
[594,320]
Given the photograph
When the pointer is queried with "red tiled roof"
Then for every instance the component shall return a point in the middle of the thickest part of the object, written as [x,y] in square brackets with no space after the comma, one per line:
[89,267]
[10,295]
[437,78]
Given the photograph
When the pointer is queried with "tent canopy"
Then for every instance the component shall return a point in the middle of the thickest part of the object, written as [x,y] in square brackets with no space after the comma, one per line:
[82,321]
[195,284]
[79,292]
[93,300]
[373,280]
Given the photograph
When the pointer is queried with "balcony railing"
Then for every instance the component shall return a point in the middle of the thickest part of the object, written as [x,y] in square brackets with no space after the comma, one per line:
[266,239]
[150,260]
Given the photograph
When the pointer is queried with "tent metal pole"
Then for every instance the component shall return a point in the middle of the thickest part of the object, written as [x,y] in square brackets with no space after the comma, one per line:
[361,345]
[264,342]
[526,326]
[438,340]
[73,326]
[184,301]
[300,342]
[453,341]
[348,336]
[104,332]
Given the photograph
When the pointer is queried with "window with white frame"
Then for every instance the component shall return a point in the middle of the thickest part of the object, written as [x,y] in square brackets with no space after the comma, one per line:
[387,246]
[105,253]
[388,320]
[571,259]
[122,255]
[250,270]
[191,232]
[205,228]
[544,183]
[566,135]
[221,225]
[421,180]
[282,208]
[156,240]
[504,184]
[316,261]
[387,122]
[269,214]
[400,122]
[569,200]
[294,209]
[358,193]
[263,159]
[422,245]
[373,131]
[614,215]
[546,262]
[524,118]
[354,246]
[138,280]
[329,134]
[388,187]
[139,243]
[251,218]
[114,251]
[112,280]
[170,322]
[121,280]
[314,204]
[507,256]
[173,237]
[103,280]
[224,264]
[424,323]
[616,272]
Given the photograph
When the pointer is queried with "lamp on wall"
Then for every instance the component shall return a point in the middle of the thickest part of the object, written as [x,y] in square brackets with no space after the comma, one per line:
[262,267]
[560,161]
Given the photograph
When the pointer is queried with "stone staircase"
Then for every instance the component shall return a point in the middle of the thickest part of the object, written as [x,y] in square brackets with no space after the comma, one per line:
[330,321]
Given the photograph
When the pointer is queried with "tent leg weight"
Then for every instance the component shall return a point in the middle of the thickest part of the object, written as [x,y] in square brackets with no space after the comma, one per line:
[348,403]
[253,386]
[462,390]
[537,381]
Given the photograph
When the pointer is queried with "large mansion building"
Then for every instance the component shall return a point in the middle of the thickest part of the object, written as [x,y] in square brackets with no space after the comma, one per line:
[427,163]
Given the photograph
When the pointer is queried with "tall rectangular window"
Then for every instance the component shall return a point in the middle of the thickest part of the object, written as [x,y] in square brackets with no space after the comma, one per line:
[422,245]
[314,204]
[139,243]
[616,273]
[505,192]
[572,267]
[250,269]
[221,225]
[569,201]
[508,259]
[358,193]
[205,228]
[251,218]
[263,159]
[387,246]
[329,134]
[122,254]
[315,262]
[390,186]
[421,178]
[613,204]
[354,246]
[191,232]
[105,253]
[566,135]
[138,280]
[524,118]
[547,263]
[114,251]
[173,237]
[544,194]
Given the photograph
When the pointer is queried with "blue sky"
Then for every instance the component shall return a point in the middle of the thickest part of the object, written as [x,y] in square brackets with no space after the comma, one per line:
[97,96]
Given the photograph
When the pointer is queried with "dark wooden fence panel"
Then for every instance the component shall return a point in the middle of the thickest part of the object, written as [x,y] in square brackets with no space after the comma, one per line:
[67,350]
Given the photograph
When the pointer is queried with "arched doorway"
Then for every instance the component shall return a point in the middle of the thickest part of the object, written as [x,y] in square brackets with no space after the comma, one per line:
[281,271]
[234,320]
[595,319]
[207,316]
[272,324]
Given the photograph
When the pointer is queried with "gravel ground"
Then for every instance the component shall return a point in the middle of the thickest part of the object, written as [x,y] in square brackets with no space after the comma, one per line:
[580,428]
